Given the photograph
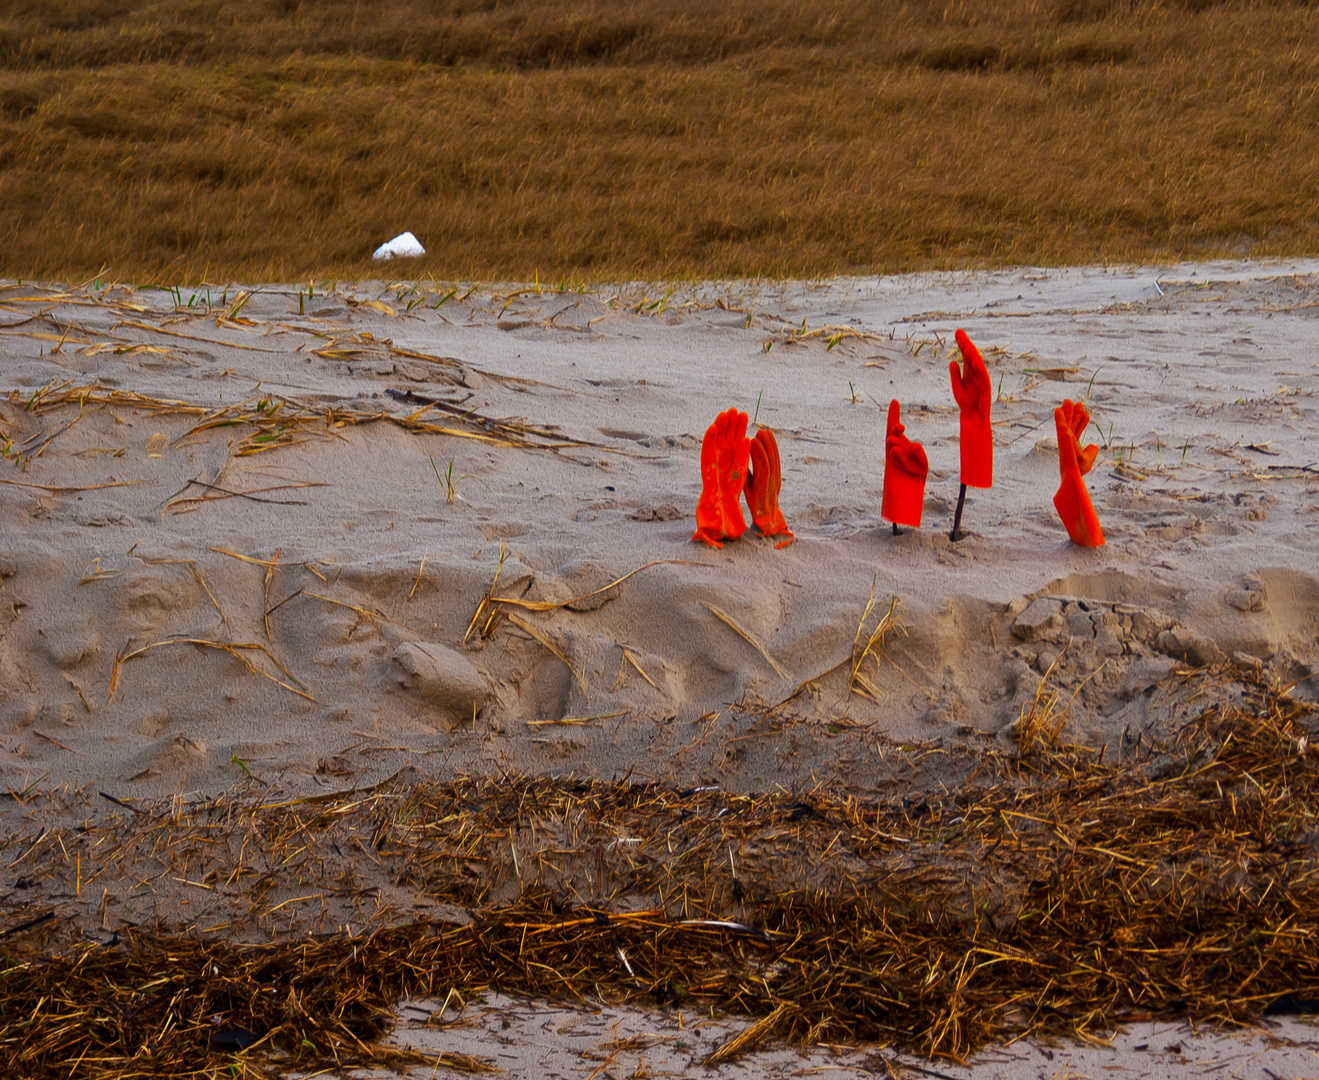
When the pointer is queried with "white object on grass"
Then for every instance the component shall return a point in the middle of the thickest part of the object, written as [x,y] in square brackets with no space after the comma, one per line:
[403,246]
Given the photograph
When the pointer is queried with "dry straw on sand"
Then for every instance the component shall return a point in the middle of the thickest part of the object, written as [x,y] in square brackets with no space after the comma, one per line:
[1054,893]
[276,421]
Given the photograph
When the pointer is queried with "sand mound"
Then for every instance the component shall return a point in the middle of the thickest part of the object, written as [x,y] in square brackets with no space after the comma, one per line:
[279,532]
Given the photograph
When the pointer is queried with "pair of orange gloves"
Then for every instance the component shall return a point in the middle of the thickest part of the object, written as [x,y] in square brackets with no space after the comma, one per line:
[905,463]
[733,465]
[906,466]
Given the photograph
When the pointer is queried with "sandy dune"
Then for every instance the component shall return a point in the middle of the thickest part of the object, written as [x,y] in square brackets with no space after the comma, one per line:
[120,529]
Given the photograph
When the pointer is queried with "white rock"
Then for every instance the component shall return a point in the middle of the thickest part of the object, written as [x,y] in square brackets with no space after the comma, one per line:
[403,246]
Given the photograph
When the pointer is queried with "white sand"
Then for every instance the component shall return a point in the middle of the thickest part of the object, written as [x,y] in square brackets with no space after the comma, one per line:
[1202,385]
[1211,521]
[541,1041]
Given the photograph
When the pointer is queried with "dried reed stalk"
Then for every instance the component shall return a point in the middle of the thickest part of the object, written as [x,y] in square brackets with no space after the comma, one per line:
[279,422]
[549,643]
[233,648]
[746,1039]
[728,621]
[869,645]
[554,605]
[631,659]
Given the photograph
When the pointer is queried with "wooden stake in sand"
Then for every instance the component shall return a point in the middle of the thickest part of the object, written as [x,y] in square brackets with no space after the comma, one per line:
[956,533]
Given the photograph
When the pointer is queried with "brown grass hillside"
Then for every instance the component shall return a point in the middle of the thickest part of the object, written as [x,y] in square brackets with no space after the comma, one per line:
[277,139]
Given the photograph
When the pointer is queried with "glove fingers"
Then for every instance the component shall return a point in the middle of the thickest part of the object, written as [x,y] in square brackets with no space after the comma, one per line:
[1080,420]
[894,419]
[1062,418]
[959,391]
[1066,441]
[976,374]
[741,461]
[739,448]
[965,345]
[738,424]
[766,476]
[756,479]
[913,460]
[770,449]
[709,446]
[728,424]
[980,375]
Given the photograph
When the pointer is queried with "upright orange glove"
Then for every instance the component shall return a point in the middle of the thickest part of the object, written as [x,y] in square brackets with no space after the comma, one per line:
[1073,499]
[905,469]
[725,455]
[974,396]
[763,487]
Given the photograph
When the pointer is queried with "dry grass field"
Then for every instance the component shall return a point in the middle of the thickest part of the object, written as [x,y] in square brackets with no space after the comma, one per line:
[589,139]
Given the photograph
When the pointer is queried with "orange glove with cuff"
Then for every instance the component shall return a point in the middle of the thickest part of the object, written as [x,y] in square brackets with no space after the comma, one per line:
[975,395]
[905,470]
[1073,499]
[763,487]
[725,455]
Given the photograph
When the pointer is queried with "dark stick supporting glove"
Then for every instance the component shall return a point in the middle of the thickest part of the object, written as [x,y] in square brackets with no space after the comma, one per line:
[725,455]
[1073,499]
[975,395]
[763,487]
[905,470]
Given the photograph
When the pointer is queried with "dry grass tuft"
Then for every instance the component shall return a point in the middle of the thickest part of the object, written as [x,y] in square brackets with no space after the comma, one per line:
[596,139]
[869,645]
[488,614]
[1039,728]
[1042,718]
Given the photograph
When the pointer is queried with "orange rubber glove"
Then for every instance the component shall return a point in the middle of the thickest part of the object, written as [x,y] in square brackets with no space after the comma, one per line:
[905,469]
[1073,499]
[974,396]
[725,455]
[763,487]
